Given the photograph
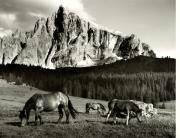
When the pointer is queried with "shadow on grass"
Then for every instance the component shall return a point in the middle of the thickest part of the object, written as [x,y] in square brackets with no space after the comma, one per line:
[102,122]
[92,121]
[19,124]
[56,122]
[33,123]
[112,123]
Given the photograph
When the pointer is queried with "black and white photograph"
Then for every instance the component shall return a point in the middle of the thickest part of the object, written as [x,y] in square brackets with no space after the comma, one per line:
[88,69]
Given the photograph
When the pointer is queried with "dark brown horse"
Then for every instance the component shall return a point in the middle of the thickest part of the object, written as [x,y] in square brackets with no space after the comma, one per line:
[47,103]
[95,106]
[123,108]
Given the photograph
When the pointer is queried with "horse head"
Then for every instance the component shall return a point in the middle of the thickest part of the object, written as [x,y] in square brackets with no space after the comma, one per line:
[23,117]
[139,114]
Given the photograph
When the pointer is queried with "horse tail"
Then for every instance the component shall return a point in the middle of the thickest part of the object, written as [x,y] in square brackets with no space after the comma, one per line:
[73,111]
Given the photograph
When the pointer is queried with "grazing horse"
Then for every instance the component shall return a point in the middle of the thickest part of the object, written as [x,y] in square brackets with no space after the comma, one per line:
[95,106]
[123,108]
[47,103]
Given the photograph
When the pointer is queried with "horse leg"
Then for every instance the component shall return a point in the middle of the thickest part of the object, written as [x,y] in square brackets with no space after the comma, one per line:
[109,113]
[127,118]
[60,113]
[28,114]
[67,114]
[139,120]
[87,110]
[99,111]
[36,117]
[114,117]
[40,119]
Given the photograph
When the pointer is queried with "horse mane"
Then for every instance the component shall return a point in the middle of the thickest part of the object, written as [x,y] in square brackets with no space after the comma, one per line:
[32,99]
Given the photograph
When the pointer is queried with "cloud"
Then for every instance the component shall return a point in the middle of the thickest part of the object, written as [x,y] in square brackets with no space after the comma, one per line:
[77,7]
[23,14]
[7,19]
[4,32]
[38,15]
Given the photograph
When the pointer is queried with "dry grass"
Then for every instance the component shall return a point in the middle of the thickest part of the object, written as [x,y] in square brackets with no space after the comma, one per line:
[12,99]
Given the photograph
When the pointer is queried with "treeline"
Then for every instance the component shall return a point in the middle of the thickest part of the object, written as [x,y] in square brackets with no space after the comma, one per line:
[121,80]
[147,87]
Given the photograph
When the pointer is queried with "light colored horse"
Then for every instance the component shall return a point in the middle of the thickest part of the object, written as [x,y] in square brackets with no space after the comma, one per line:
[95,106]
[46,103]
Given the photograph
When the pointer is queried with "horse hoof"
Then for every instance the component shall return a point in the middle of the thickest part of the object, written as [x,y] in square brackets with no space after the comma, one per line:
[22,125]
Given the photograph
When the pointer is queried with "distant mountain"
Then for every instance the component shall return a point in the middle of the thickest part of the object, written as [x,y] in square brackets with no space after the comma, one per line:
[66,40]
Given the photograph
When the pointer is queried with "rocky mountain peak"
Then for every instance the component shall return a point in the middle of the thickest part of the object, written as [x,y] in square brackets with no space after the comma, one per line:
[66,40]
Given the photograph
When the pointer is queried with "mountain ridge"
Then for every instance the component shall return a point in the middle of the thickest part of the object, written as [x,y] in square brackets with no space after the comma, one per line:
[66,40]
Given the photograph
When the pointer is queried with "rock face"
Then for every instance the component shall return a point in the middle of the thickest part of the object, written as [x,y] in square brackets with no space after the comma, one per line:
[147,108]
[66,40]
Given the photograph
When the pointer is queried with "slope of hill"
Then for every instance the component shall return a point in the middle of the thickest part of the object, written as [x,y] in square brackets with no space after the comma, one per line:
[136,65]
[142,78]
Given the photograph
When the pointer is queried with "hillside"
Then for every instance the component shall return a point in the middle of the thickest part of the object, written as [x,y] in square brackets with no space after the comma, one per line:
[141,78]
[136,65]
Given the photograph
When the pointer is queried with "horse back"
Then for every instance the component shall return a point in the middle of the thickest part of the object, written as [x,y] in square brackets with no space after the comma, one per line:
[53,100]
[47,102]
[126,105]
[112,103]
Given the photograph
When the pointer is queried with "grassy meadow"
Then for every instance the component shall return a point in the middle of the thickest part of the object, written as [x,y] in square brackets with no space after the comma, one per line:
[12,99]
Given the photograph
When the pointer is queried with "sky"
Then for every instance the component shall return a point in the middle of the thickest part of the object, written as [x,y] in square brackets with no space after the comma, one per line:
[152,20]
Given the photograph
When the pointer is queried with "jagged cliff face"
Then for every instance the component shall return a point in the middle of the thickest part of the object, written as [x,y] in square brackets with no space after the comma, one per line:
[67,40]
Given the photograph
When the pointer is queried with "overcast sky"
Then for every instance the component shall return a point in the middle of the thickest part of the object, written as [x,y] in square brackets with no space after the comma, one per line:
[152,20]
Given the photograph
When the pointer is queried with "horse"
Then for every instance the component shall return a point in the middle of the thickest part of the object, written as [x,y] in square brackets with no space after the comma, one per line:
[46,103]
[123,108]
[95,106]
